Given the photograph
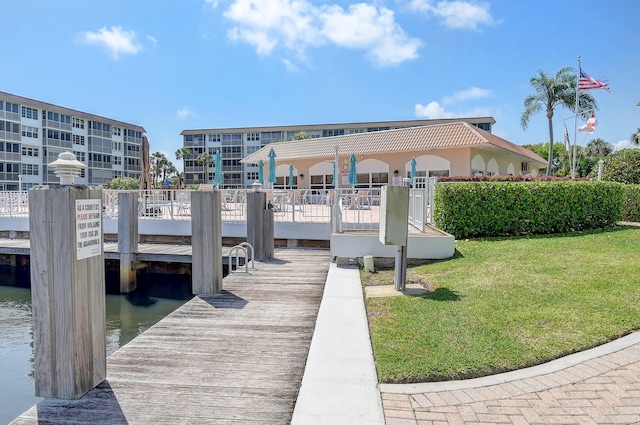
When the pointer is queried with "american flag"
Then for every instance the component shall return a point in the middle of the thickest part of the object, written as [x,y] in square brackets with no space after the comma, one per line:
[587,82]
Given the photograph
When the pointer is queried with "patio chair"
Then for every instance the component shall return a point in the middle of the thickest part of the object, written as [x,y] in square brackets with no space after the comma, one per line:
[184,203]
[362,199]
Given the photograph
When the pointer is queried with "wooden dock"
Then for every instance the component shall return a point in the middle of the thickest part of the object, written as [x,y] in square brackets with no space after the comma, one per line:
[233,358]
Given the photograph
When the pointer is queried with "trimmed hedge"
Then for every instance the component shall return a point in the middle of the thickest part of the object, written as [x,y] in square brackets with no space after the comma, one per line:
[511,208]
[632,203]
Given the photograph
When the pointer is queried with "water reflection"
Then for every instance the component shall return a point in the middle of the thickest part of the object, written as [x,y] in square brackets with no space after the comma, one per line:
[127,317]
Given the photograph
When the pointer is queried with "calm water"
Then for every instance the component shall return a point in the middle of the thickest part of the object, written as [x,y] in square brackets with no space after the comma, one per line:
[124,322]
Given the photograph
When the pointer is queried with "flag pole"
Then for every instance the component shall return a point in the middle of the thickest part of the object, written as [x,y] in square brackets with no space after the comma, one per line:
[575,127]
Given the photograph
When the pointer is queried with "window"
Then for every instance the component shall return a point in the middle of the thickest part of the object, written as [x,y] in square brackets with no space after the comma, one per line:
[214,137]
[9,147]
[331,133]
[78,122]
[11,107]
[29,131]
[378,129]
[117,131]
[78,139]
[438,173]
[253,137]
[194,138]
[62,118]
[29,113]
[80,156]
[30,151]
[484,126]
[117,146]
[525,167]
[30,169]
[251,149]
[10,127]
[117,160]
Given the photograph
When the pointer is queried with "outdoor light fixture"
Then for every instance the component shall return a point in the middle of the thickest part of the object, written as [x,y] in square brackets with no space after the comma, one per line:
[67,168]
[301,176]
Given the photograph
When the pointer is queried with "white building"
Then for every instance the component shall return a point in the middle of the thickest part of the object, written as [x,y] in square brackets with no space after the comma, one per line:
[33,133]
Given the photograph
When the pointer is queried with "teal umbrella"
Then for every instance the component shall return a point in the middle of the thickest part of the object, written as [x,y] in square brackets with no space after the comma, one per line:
[352,179]
[261,172]
[291,176]
[272,167]
[218,164]
[413,170]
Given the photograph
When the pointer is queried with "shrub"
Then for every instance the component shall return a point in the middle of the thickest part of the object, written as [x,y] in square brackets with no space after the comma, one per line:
[622,166]
[510,208]
[123,183]
[632,203]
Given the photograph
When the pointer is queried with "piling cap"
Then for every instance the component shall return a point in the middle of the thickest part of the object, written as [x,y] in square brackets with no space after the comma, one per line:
[67,168]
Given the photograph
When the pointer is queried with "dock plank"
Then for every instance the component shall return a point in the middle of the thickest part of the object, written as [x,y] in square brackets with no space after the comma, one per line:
[232,358]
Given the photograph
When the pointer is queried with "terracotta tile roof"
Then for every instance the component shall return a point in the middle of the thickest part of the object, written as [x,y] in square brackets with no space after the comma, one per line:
[430,137]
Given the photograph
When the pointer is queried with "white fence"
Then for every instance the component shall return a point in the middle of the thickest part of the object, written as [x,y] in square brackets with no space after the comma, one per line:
[346,208]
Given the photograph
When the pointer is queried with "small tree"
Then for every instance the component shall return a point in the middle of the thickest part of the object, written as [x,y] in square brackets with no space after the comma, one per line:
[123,183]
[205,160]
[622,166]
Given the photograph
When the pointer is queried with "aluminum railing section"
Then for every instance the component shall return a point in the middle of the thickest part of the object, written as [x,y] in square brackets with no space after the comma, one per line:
[14,203]
[351,208]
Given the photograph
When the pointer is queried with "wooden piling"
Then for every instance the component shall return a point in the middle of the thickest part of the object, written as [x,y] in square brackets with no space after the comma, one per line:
[68,293]
[206,242]
[127,239]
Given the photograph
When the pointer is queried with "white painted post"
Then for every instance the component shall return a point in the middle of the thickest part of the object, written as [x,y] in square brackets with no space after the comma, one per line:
[67,290]
[206,242]
[127,239]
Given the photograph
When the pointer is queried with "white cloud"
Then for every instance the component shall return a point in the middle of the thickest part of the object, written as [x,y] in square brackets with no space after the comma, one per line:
[365,27]
[471,93]
[213,3]
[624,144]
[435,110]
[296,25]
[432,111]
[152,39]
[456,14]
[290,66]
[116,40]
[183,113]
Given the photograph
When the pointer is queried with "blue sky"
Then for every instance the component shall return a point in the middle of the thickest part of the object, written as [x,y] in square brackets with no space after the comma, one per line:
[170,65]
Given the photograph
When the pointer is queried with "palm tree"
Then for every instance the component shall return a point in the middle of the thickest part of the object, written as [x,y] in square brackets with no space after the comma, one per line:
[599,148]
[159,163]
[552,91]
[635,137]
[183,154]
[205,160]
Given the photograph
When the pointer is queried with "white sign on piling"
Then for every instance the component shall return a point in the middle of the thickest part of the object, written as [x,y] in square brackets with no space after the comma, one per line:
[88,228]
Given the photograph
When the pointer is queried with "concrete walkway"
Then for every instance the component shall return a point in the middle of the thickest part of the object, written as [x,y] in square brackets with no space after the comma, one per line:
[597,386]
[340,384]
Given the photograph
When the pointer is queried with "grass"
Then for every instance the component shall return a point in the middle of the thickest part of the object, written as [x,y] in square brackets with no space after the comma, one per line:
[506,303]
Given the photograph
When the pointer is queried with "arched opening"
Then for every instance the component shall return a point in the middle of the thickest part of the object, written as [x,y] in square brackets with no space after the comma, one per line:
[478,166]
[492,167]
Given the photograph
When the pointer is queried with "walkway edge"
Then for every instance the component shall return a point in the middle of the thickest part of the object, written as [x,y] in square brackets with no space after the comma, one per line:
[539,370]
[340,384]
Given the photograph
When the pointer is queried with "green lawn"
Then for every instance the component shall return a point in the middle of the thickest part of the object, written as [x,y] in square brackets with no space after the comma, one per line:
[506,303]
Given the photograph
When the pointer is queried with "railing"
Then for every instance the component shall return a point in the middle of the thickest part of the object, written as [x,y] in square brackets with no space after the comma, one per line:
[347,208]
[428,184]
[14,204]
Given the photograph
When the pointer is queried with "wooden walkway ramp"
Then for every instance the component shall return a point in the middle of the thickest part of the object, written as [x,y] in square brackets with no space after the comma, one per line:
[233,358]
